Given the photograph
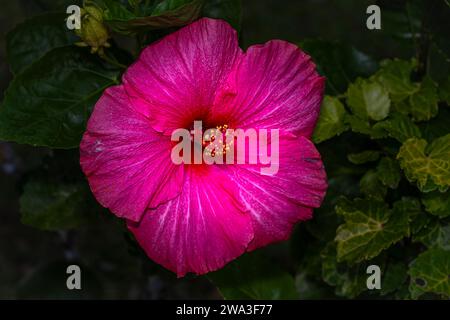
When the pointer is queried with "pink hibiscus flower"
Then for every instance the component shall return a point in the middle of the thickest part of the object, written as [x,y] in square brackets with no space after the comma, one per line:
[197,218]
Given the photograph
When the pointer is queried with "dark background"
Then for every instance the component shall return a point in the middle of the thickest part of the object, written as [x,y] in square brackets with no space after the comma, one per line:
[33,262]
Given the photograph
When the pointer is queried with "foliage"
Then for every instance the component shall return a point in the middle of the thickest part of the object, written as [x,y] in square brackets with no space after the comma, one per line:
[383,132]
[402,203]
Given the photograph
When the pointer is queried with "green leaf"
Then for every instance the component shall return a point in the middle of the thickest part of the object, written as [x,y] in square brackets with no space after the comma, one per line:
[368,99]
[350,281]
[168,13]
[434,234]
[399,127]
[395,75]
[370,227]
[252,276]
[48,104]
[50,205]
[331,121]
[32,39]
[371,186]
[418,221]
[114,10]
[359,125]
[402,292]
[430,273]
[388,172]
[228,10]
[364,157]
[395,275]
[424,103]
[437,203]
[339,62]
[363,126]
[436,127]
[427,165]
[403,107]
[410,205]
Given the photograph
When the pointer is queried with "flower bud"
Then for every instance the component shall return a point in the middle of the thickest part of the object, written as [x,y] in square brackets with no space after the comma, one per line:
[93,31]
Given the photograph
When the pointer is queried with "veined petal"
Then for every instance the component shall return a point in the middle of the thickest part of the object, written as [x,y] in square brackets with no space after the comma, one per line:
[274,85]
[176,79]
[276,202]
[199,231]
[127,163]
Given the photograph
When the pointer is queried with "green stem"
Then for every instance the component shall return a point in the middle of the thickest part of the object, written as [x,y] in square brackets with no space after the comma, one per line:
[113,62]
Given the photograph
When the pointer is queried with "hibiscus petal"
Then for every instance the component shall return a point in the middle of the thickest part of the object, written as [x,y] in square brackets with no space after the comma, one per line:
[274,85]
[127,163]
[276,202]
[175,80]
[199,231]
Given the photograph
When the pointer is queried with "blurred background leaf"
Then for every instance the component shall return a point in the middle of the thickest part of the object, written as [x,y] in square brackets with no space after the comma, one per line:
[253,276]
[32,39]
[49,103]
